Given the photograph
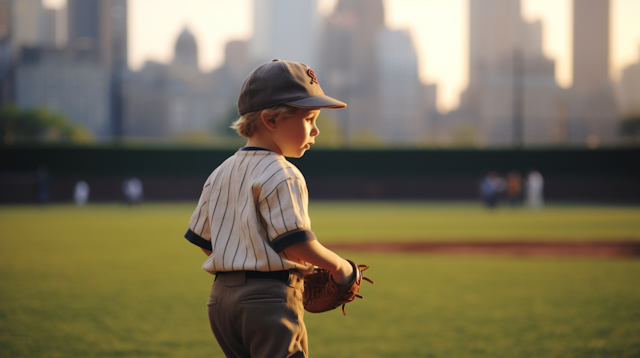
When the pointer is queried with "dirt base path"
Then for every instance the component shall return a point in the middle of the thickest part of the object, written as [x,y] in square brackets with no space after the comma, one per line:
[580,249]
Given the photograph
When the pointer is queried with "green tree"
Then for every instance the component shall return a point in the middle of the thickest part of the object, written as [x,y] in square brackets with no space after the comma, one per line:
[31,126]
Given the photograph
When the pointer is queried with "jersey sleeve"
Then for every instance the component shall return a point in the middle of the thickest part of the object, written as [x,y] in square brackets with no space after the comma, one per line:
[285,213]
[199,232]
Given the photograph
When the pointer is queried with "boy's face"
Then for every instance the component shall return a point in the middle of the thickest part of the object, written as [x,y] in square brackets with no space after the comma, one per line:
[295,134]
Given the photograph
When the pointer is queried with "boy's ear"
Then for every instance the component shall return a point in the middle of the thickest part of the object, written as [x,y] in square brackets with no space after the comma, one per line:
[268,121]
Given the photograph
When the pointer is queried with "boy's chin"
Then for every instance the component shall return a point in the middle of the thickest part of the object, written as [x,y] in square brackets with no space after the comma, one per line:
[296,154]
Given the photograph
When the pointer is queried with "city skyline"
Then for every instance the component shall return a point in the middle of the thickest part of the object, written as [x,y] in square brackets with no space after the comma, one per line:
[442,59]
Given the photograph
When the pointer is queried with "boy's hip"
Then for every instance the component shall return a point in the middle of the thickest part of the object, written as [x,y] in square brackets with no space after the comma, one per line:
[258,310]
[292,278]
[241,296]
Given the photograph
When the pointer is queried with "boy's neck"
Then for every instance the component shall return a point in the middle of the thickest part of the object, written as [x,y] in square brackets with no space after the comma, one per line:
[265,143]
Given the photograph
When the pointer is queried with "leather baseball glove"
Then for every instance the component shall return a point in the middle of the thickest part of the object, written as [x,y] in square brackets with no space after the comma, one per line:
[322,293]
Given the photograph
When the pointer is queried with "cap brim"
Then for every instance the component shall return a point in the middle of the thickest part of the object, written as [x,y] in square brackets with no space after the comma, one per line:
[321,101]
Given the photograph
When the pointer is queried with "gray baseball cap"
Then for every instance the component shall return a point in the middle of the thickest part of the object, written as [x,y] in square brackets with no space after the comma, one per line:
[283,82]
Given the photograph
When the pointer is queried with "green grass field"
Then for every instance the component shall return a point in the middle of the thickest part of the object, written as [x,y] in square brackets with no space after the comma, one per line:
[420,221]
[113,281]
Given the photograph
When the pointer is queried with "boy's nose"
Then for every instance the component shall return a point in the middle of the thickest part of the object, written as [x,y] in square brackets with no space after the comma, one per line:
[315,131]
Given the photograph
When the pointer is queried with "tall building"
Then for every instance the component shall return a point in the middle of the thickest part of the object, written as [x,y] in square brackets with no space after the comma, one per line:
[512,97]
[235,60]
[629,89]
[593,111]
[402,117]
[99,27]
[186,52]
[226,82]
[494,32]
[49,27]
[590,44]
[285,29]
[5,19]
[26,25]
[55,79]
[349,63]
[146,110]
[169,100]
[375,71]
[97,30]
[189,92]
[5,51]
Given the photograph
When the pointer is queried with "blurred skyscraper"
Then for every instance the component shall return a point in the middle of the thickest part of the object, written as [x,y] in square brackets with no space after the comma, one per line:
[375,71]
[61,82]
[5,52]
[99,27]
[593,109]
[401,118]
[629,89]
[590,44]
[5,19]
[38,26]
[94,59]
[165,100]
[190,96]
[350,63]
[285,29]
[226,82]
[146,107]
[185,54]
[27,25]
[512,96]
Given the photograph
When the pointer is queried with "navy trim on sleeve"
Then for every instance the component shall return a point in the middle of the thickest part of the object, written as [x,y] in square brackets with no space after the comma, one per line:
[292,238]
[197,240]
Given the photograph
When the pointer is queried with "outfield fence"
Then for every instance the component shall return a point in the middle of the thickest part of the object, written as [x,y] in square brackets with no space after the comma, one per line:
[178,174]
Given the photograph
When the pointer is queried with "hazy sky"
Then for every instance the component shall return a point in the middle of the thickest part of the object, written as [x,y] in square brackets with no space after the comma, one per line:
[439,29]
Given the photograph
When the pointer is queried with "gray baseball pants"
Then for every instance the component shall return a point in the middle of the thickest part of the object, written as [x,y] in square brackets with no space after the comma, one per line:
[258,317]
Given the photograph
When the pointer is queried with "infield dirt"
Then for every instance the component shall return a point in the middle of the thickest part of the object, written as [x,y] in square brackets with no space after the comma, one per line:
[629,249]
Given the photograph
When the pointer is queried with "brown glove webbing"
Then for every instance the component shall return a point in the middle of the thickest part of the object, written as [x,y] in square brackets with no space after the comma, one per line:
[322,293]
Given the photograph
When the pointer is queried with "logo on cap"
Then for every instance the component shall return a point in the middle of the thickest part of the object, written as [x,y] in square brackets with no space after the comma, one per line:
[312,75]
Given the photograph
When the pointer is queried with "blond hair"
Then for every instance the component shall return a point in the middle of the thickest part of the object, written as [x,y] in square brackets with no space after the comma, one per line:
[246,125]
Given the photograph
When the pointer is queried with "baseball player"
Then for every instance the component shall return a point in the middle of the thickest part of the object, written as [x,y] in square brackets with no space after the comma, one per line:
[252,220]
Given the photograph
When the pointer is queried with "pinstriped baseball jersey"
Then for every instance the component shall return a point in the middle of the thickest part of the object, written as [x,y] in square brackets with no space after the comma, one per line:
[252,207]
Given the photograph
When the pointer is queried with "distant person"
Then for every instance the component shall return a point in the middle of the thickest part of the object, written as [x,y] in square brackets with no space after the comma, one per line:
[81,193]
[535,186]
[43,181]
[490,188]
[132,189]
[514,188]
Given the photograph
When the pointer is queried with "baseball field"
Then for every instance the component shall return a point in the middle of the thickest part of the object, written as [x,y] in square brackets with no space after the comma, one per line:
[117,281]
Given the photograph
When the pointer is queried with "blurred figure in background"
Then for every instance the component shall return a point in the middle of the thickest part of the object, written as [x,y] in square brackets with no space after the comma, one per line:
[490,188]
[81,193]
[43,180]
[132,189]
[535,186]
[514,188]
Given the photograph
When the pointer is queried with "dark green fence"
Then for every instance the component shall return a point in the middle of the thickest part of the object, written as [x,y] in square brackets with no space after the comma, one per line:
[178,174]
[329,163]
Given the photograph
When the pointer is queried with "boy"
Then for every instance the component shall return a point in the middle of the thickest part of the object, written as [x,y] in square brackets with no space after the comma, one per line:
[252,220]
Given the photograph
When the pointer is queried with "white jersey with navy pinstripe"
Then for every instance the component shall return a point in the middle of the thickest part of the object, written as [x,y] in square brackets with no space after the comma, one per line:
[252,207]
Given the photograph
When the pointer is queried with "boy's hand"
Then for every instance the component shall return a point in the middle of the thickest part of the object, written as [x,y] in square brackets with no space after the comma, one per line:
[344,274]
